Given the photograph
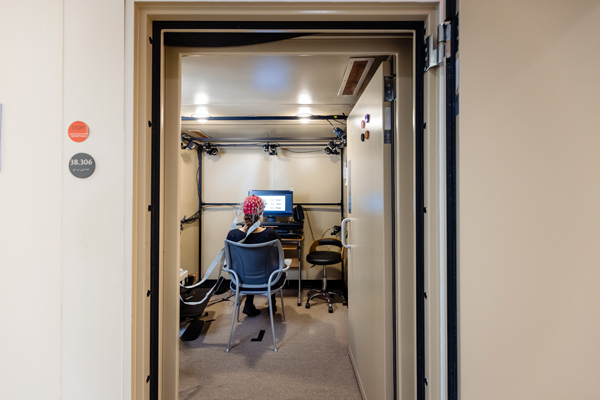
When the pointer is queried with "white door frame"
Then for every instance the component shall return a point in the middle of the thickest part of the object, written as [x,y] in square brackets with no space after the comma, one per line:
[140,18]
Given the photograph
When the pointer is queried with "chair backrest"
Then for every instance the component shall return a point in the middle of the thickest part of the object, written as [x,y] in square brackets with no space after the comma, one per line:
[327,242]
[254,263]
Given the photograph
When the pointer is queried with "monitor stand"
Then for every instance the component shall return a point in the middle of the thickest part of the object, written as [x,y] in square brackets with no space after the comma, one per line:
[271,219]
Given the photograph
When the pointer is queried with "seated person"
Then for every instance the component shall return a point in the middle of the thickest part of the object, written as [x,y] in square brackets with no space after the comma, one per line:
[253,209]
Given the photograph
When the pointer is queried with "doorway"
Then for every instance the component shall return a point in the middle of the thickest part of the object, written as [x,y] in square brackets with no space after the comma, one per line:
[157,205]
[384,383]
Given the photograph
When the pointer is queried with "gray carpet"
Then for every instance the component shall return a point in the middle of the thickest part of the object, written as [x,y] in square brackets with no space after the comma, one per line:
[311,362]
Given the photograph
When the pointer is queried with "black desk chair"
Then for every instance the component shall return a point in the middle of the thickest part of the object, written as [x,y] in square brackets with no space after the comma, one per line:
[324,258]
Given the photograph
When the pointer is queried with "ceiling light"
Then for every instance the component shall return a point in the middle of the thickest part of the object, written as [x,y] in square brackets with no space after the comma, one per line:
[201,98]
[304,98]
[202,118]
[304,118]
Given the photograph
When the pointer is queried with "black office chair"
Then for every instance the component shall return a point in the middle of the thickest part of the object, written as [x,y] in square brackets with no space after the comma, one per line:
[324,258]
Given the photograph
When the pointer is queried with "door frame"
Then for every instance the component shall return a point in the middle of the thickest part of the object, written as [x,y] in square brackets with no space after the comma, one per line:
[373,21]
[452,110]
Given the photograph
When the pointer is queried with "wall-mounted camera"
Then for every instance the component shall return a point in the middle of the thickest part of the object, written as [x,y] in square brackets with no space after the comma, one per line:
[331,148]
[211,150]
[270,148]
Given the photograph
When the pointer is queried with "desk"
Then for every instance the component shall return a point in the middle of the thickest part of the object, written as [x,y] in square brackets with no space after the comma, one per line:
[289,244]
[182,275]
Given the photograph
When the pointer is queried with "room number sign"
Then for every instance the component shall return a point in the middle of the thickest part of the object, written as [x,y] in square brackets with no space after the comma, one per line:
[82,165]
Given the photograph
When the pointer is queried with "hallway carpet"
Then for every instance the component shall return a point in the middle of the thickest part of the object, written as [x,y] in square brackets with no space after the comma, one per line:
[312,360]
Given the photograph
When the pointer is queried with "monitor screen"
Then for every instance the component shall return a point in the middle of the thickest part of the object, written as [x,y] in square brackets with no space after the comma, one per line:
[278,203]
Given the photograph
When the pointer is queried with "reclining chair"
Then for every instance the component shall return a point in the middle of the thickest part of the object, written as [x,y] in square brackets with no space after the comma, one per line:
[255,269]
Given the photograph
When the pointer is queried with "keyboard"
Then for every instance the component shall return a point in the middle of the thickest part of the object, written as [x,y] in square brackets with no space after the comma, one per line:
[285,224]
[289,235]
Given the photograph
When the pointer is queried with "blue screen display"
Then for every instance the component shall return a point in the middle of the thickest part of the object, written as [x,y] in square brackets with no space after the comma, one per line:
[278,203]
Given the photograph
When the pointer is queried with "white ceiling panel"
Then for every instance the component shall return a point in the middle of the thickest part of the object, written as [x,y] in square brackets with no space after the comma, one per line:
[263,79]
[264,85]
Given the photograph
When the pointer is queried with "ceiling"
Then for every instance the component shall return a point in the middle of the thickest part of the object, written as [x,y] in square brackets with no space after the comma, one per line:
[226,85]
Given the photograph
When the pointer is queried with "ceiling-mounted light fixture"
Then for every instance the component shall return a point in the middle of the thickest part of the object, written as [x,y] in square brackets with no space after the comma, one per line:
[202,118]
[304,118]
[354,76]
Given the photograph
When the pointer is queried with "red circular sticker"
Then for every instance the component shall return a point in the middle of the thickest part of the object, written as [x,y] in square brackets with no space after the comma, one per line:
[78,131]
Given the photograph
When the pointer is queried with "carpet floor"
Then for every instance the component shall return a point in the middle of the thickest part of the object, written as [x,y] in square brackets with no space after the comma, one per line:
[312,360]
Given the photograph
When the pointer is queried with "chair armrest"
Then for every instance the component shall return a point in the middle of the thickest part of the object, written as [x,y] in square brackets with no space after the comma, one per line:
[234,276]
[287,266]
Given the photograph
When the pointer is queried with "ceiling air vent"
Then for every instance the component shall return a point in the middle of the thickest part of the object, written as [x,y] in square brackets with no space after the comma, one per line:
[354,76]
[200,134]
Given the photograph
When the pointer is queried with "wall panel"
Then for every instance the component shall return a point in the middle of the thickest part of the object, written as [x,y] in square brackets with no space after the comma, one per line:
[528,193]
[93,209]
[30,198]
[315,178]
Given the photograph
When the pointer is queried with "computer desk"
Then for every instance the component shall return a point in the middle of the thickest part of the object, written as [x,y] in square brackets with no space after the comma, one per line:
[291,244]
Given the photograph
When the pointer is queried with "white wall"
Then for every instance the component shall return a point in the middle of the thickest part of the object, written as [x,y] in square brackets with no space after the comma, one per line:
[529,221]
[31,166]
[528,189]
[93,222]
[65,316]
[315,178]
[188,206]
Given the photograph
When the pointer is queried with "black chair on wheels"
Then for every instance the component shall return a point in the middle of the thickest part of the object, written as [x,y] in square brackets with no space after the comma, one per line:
[324,258]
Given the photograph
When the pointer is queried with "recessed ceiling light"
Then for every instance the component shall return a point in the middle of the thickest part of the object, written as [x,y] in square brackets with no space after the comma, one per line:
[304,118]
[202,118]
[304,98]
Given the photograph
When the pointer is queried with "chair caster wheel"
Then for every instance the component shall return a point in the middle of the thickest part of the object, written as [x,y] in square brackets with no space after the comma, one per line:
[345,302]
[299,304]
[307,305]
[330,310]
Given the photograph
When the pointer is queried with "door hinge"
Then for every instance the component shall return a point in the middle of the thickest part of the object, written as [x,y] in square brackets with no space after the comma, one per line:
[389,89]
[435,56]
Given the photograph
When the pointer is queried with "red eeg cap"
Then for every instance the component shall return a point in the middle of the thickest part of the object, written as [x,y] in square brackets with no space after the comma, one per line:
[253,205]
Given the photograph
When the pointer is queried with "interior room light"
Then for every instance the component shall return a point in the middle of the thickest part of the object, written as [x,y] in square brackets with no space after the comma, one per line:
[304,98]
[202,118]
[304,118]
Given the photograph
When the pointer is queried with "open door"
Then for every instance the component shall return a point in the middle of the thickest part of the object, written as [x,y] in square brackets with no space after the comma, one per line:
[369,237]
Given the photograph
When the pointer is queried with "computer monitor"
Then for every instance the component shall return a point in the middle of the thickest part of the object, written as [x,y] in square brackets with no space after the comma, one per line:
[278,203]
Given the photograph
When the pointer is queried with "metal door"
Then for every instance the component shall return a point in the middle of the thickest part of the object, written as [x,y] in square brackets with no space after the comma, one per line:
[368,240]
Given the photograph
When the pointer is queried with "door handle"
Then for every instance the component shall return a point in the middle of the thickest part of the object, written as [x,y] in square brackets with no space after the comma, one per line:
[343,233]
